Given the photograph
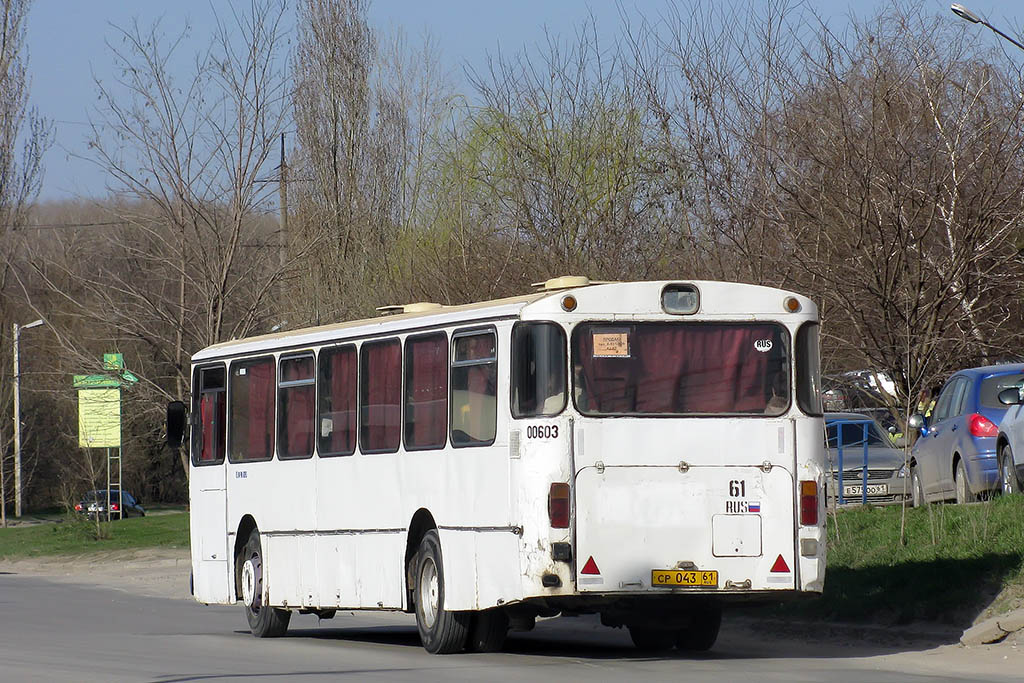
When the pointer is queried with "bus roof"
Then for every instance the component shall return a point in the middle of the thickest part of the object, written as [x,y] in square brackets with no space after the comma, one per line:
[594,299]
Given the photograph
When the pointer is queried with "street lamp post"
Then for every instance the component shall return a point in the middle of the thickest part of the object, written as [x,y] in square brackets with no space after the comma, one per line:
[17,416]
[970,16]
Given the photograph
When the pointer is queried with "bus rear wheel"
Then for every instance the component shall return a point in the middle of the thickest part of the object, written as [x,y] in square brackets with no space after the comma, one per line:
[652,639]
[264,622]
[702,632]
[441,632]
[488,631]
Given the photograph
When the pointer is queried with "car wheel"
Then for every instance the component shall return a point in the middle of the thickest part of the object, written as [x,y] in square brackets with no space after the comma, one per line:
[264,622]
[702,632]
[1008,482]
[441,632]
[916,489]
[963,489]
[652,639]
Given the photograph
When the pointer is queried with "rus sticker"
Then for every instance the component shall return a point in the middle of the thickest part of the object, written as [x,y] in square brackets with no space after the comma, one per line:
[763,345]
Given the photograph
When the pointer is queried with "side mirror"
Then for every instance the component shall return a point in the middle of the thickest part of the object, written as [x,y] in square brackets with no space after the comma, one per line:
[1010,397]
[175,423]
[917,422]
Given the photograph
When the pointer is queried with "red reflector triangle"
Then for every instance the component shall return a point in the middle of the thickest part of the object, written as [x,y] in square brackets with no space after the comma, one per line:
[780,566]
[591,567]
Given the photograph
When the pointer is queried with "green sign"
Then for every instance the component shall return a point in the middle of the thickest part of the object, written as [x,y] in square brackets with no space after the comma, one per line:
[113,361]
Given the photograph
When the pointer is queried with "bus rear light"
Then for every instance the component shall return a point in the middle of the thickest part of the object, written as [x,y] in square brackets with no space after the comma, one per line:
[809,503]
[980,425]
[558,506]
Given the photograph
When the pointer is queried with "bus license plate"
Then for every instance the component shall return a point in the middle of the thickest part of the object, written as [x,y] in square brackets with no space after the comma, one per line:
[684,577]
[873,490]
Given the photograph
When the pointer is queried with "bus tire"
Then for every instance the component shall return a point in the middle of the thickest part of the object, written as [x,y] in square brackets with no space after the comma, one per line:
[264,622]
[649,639]
[441,632]
[488,631]
[701,634]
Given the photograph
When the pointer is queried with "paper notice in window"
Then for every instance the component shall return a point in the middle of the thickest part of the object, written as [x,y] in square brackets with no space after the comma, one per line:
[611,345]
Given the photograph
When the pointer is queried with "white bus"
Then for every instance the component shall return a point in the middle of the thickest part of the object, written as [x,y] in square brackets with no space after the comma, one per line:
[647,451]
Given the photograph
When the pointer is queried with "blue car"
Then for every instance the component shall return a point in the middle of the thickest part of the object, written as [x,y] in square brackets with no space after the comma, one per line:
[955,456]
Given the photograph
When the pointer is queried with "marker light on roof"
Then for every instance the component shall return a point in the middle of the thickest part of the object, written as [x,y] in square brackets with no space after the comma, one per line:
[791,304]
[568,303]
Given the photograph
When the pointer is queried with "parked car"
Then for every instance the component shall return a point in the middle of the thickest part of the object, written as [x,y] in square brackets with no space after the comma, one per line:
[94,504]
[1010,441]
[955,456]
[854,436]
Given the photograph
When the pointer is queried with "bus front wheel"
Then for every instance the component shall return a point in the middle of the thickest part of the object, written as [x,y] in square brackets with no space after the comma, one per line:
[441,631]
[264,622]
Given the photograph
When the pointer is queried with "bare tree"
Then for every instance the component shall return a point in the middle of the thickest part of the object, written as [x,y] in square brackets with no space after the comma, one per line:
[192,259]
[21,174]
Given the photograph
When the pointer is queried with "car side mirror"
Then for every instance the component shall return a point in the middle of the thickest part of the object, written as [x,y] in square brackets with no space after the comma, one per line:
[1010,397]
[917,423]
[175,423]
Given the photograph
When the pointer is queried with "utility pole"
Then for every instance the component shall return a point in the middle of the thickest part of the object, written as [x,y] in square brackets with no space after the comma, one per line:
[283,189]
[17,417]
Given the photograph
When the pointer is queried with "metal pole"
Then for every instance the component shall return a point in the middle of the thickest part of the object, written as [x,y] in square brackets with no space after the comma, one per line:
[17,426]
[108,483]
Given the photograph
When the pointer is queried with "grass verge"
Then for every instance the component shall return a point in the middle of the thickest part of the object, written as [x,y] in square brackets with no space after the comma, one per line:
[958,562]
[75,535]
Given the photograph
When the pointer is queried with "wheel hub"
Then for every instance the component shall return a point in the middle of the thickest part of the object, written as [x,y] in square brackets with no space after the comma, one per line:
[251,583]
[430,599]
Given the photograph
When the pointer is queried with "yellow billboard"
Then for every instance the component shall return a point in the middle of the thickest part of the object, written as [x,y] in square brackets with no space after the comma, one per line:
[99,418]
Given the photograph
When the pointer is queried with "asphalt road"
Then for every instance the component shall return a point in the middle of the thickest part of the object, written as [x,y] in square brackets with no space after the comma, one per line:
[64,632]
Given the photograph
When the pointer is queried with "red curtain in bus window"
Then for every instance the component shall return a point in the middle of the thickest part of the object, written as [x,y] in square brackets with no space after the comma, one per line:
[338,402]
[383,400]
[660,366]
[427,392]
[725,372]
[297,407]
[261,411]
[211,409]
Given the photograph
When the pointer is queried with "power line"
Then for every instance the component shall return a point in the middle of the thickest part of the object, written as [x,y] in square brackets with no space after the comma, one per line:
[62,226]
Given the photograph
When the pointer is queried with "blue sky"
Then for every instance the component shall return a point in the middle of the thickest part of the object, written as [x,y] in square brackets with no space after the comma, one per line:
[66,42]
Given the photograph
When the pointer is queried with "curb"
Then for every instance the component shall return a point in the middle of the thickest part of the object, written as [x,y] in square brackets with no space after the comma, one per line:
[994,630]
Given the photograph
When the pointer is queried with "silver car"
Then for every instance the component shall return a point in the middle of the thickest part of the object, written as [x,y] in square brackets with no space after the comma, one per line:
[852,438]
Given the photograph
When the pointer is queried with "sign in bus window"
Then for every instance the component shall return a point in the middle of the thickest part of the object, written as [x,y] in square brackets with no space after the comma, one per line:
[474,388]
[611,344]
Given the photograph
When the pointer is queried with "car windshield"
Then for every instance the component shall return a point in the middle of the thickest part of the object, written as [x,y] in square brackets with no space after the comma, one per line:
[851,433]
[991,386]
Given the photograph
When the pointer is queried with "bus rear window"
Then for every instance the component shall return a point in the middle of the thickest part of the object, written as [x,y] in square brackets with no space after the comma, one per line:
[681,368]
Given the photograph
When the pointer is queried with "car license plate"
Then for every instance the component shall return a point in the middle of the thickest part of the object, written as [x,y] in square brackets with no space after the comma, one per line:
[94,508]
[684,577]
[873,490]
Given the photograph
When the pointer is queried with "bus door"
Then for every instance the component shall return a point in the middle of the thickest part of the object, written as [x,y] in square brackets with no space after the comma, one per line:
[211,563]
[684,458]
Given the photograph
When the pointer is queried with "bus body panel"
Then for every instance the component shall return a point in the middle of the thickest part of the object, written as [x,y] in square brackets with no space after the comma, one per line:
[208,536]
[632,520]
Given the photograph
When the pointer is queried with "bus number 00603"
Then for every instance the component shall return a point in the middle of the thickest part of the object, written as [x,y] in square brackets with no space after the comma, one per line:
[542,432]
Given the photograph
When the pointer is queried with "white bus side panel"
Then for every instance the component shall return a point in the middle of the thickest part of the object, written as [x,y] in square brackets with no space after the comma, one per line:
[211,561]
[279,497]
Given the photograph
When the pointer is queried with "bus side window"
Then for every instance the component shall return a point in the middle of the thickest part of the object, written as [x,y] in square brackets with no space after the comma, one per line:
[380,396]
[296,389]
[474,388]
[538,369]
[336,434]
[210,406]
[426,391]
[252,409]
